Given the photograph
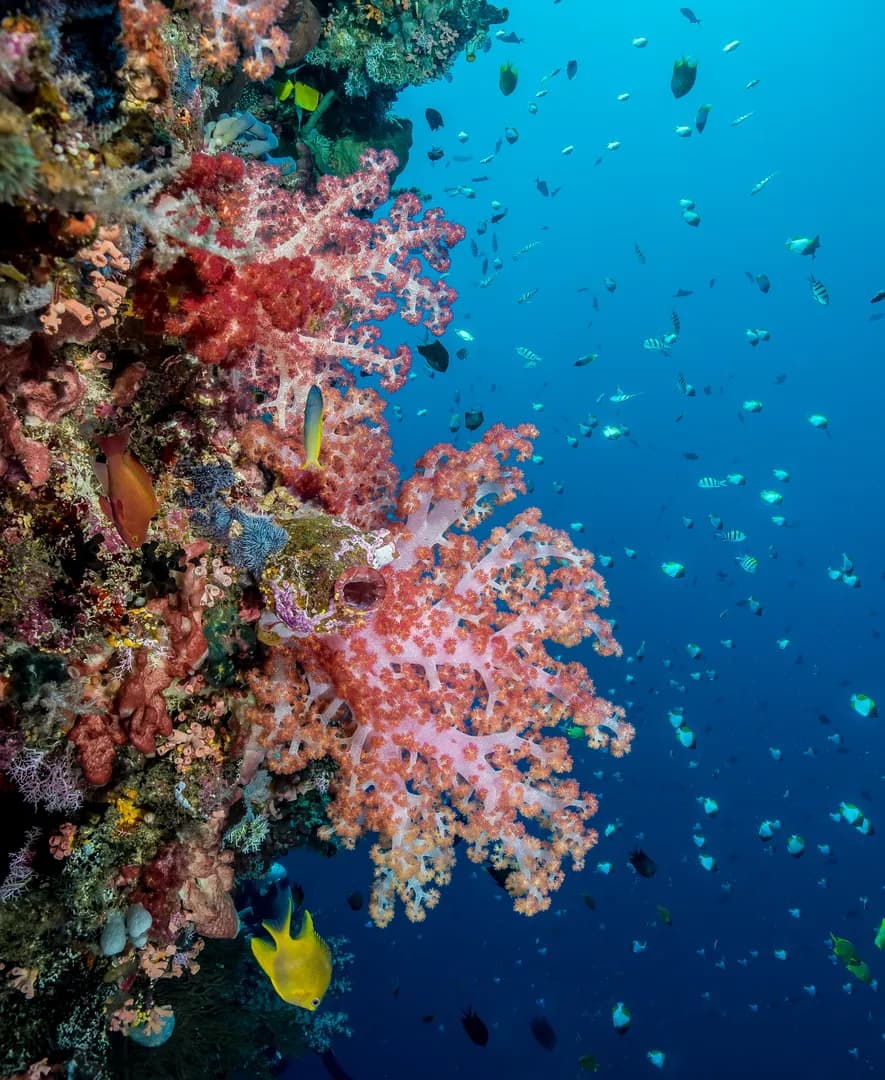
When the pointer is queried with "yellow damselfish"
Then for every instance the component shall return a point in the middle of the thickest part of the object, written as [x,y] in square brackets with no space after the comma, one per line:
[312,436]
[299,968]
[306,97]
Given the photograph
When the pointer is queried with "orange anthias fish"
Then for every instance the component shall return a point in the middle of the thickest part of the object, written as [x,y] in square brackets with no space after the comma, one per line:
[129,499]
[299,968]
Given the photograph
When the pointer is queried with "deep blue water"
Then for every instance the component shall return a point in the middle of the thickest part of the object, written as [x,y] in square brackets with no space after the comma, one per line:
[708,990]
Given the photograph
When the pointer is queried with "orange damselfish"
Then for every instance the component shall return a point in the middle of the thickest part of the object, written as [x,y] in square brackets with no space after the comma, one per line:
[129,499]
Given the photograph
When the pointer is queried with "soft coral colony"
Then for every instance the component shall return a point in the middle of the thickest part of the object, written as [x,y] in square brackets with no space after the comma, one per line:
[211,654]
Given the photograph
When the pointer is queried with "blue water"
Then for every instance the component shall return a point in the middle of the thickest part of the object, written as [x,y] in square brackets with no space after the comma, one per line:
[708,990]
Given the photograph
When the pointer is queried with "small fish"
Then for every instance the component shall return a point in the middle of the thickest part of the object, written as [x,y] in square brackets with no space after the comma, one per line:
[686,389]
[532,358]
[653,344]
[566,150]
[878,297]
[619,397]
[571,69]
[762,282]
[802,245]
[509,39]
[730,47]
[677,326]
[435,153]
[731,536]
[527,296]
[476,1030]
[701,117]
[508,78]
[526,248]
[639,42]
[610,284]
[690,15]
[683,131]
[738,120]
[312,432]
[643,864]
[754,336]
[751,84]
[682,292]
[511,135]
[638,251]
[819,290]
[498,217]
[355,900]
[436,355]
[685,73]
[763,183]
[434,119]
[542,187]
[305,97]
[465,335]
[129,500]
[473,419]
[588,358]
[613,432]
[709,483]
[299,968]
[543,1032]
[748,563]
[613,145]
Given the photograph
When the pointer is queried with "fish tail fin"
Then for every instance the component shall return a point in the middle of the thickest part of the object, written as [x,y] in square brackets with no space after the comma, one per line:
[111,445]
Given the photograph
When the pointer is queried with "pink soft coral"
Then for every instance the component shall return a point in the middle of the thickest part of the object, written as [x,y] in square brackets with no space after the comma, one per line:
[438,708]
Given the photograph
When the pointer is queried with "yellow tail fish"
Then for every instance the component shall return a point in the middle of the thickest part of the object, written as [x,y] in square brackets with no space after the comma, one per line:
[313,428]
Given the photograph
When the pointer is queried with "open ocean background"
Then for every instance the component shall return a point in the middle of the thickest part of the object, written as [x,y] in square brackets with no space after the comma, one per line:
[708,990]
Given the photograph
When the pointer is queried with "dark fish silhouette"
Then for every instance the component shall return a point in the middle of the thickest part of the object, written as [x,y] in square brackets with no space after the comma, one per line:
[435,153]
[436,355]
[683,292]
[355,901]
[434,119]
[476,1030]
[544,1034]
[690,15]
[511,39]
[498,217]
[643,864]
[541,185]
[473,419]
[878,297]
[571,68]
[332,1066]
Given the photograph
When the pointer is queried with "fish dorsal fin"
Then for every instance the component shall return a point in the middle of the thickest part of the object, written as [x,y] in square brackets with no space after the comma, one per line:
[282,931]
[308,934]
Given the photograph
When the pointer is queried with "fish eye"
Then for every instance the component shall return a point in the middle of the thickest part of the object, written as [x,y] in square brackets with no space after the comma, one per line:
[315,1002]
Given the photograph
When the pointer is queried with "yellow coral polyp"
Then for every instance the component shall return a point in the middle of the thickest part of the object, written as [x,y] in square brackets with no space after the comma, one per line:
[128,814]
